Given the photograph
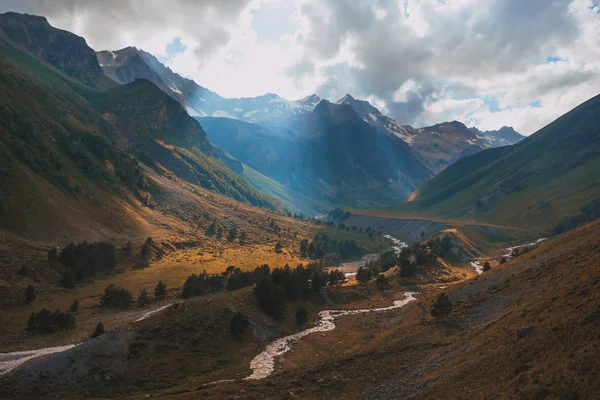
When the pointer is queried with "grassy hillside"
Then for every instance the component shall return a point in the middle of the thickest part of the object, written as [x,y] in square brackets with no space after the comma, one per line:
[533,184]
[524,329]
[293,199]
[69,152]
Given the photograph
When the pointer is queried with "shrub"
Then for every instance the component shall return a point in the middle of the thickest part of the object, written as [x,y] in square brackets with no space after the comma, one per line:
[278,248]
[442,307]
[239,323]
[232,234]
[160,290]
[502,260]
[24,271]
[99,330]
[74,306]
[301,316]
[116,297]
[30,294]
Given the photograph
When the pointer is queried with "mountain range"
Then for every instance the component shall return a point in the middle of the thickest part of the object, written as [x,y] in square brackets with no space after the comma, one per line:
[141,203]
[284,133]
[320,152]
[73,138]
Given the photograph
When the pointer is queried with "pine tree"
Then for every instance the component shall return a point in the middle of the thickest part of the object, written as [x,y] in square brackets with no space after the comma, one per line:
[74,306]
[442,307]
[304,247]
[30,294]
[143,298]
[486,266]
[363,274]
[382,282]
[160,290]
[301,316]
[239,323]
[99,330]
[212,229]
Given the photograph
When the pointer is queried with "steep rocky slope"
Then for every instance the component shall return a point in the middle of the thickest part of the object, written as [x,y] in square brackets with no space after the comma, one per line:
[331,154]
[67,52]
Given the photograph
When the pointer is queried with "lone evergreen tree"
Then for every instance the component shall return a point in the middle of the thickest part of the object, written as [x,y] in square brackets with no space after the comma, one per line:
[143,298]
[160,290]
[239,323]
[382,282]
[301,316]
[486,266]
[30,294]
[74,306]
[304,247]
[211,230]
[363,274]
[99,330]
[442,307]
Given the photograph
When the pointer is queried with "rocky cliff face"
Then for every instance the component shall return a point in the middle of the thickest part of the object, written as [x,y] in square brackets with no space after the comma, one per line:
[64,50]
[146,112]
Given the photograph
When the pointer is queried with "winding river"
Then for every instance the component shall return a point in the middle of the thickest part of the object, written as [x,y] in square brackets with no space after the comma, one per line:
[264,364]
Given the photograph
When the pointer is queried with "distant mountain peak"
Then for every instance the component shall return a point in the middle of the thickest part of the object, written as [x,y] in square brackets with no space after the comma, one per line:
[312,99]
[62,49]
[346,99]
[502,137]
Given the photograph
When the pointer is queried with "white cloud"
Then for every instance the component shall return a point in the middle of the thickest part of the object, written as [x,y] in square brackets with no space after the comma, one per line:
[421,61]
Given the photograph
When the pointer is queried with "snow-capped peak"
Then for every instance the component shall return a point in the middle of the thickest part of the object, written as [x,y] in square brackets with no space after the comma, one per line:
[346,99]
[312,99]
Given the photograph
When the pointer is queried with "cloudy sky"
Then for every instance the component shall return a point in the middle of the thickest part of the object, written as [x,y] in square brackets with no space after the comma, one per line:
[486,63]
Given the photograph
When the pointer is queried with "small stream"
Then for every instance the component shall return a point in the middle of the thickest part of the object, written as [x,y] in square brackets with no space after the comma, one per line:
[264,363]
[398,244]
[351,267]
[510,249]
